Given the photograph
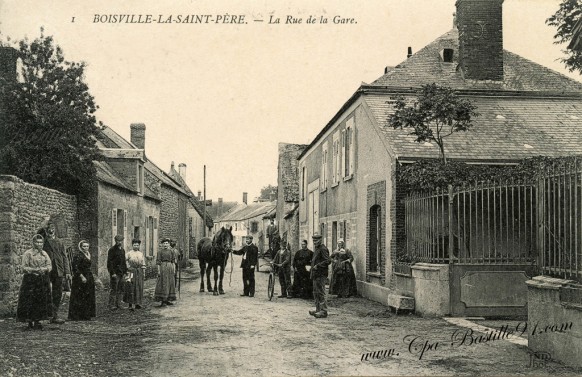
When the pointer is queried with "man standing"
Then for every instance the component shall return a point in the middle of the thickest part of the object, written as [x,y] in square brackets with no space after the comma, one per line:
[319,272]
[301,279]
[61,268]
[250,255]
[283,263]
[117,268]
[272,233]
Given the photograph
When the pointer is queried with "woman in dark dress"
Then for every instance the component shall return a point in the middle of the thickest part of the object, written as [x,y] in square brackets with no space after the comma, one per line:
[34,299]
[343,279]
[82,303]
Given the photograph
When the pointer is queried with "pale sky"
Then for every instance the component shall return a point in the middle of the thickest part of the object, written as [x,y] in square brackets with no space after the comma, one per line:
[225,95]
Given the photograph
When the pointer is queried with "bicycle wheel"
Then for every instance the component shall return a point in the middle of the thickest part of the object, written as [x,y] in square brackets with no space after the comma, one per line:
[271,287]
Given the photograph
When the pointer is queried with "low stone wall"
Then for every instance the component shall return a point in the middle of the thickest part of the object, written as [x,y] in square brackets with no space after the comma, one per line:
[23,209]
[431,289]
[555,319]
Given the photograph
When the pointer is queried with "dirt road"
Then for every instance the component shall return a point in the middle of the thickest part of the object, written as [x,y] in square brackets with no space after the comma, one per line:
[206,335]
[233,335]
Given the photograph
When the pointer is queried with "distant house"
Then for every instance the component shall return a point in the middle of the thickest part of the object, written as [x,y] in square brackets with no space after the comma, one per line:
[247,220]
[134,198]
[347,174]
[195,211]
[287,218]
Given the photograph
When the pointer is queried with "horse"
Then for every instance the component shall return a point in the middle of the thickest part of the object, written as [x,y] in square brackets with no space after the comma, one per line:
[213,253]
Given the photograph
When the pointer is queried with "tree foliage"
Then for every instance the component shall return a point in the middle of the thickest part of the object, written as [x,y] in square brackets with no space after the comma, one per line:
[46,120]
[564,20]
[267,191]
[436,114]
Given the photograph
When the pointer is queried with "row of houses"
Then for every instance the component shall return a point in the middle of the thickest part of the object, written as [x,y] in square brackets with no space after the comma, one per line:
[344,183]
[132,196]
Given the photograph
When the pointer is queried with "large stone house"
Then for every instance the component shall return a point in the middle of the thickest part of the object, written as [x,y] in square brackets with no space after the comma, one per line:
[347,174]
[133,197]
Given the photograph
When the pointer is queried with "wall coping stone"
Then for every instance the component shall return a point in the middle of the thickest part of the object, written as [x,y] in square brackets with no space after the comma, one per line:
[546,282]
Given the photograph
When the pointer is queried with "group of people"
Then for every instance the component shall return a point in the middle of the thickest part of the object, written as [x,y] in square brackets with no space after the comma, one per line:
[48,271]
[310,272]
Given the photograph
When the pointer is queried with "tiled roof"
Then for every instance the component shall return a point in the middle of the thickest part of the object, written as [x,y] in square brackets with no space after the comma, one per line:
[244,212]
[288,154]
[508,128]
[107,174]
[427,67]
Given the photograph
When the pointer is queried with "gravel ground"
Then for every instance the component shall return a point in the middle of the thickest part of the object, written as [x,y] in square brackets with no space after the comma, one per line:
[206,335]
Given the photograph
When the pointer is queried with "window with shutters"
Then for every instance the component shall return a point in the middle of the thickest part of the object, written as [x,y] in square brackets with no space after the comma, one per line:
[254,227]
[324,168]
[336,164]
[348,149]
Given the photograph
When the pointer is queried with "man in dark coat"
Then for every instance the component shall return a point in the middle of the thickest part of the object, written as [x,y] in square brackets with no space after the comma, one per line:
[273,236]
[61,268]
[319,271]
[250,255]
[117,267]
[283,263]
[301,280]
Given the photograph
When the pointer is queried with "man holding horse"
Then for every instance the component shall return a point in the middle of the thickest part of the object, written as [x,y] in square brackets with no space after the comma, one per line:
[250,255]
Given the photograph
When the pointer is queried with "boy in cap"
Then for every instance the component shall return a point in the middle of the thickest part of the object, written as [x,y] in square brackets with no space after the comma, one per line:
[319,272]
[117,268]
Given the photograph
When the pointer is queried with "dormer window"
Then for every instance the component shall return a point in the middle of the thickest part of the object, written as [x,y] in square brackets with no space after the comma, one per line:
[447,55]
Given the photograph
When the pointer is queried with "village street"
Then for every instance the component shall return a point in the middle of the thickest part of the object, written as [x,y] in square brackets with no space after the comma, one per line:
[206,335]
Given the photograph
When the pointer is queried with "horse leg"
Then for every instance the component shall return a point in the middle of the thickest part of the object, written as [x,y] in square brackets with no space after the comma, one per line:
[202,271]
[208,269]
[220,290]
[215,268]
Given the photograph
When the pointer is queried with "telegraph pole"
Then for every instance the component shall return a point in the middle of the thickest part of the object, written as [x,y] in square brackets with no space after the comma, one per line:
[204,203]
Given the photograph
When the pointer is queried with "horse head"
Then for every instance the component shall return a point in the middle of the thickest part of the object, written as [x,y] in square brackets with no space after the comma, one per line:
[223,240]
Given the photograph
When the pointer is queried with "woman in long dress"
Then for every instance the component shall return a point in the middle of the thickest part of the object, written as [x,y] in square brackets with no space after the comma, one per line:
[34,299]
[166,285]
[343,278]
[136,270]
[82,302]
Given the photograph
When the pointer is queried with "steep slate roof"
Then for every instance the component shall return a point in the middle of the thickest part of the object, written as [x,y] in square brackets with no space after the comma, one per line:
[199,207]
[508,128]
[245,212]
[288,154]
[533,111]
[426,67]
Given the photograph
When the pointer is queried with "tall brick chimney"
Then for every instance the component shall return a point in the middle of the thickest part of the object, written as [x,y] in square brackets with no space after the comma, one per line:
[8,59]
[182,170]
[480,39]
[245,196]
[138,135]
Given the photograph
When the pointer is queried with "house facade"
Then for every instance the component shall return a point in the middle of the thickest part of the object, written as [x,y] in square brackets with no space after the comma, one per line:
[133,197]
[347,175]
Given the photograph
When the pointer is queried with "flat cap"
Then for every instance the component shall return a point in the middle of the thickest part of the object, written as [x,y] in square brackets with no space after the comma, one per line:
[316,236]
[119,237]
[249,237]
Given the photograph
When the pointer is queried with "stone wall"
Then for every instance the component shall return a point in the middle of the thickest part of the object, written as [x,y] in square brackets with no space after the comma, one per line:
[24,208]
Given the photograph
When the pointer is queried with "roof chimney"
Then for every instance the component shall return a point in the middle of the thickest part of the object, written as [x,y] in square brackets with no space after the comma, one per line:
[219,207]
[245,195]
[182,170]
[138,135]
[480,39]
[8,59]
[199,195]
[409,54]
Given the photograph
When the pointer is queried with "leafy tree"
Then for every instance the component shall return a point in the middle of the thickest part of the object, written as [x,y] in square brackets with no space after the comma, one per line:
[564,20]
[267,191]
[47,126]
[436,114]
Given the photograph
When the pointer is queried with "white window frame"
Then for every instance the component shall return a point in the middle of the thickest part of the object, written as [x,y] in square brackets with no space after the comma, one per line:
[348,141]
[324,157]
[336,160]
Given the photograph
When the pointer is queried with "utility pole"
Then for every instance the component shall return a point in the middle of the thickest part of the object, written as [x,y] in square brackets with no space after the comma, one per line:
[204,203]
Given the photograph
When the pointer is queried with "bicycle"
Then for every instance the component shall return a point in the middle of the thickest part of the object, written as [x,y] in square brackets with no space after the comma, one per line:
[271,284]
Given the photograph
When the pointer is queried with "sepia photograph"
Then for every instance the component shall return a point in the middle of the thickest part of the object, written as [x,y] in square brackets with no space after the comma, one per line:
[290,188]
